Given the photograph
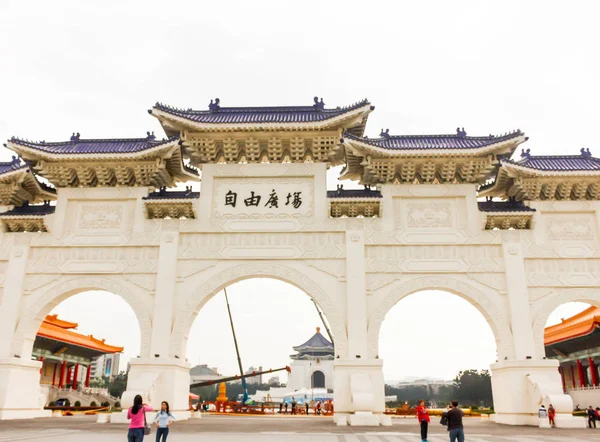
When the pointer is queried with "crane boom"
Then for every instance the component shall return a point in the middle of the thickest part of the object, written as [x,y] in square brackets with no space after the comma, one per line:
[323,321]
[236,378]
[237,350]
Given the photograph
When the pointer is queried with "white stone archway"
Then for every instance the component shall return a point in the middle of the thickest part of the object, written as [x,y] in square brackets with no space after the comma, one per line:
[236,272]
[494,316]
[42,301]
[544,307]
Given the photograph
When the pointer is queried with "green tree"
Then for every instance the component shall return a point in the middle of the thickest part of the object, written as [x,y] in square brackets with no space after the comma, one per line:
[472,387]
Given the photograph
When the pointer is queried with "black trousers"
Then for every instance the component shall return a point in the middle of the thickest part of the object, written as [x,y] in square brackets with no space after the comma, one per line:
[424,426]
[591,421]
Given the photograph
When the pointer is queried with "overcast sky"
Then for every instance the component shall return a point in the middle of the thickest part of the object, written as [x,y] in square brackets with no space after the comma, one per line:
[428,67]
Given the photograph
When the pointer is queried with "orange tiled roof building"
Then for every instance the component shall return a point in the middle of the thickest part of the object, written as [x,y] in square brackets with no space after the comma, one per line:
[64,352]
[575,342]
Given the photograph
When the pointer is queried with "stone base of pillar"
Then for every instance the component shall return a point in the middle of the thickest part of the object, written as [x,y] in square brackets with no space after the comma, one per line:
[359,392]
[157,380]
[521,387]
[20,393]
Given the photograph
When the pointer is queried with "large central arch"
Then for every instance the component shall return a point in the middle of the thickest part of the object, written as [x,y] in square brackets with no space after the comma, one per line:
[41,304]
[497,321]
[189,309]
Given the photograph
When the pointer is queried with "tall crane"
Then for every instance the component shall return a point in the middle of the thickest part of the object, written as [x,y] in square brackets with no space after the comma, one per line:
[237,351]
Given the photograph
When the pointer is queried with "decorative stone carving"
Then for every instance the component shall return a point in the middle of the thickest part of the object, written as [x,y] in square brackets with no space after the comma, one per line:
[429,215]
[93,260]
[570,228]
[100,216]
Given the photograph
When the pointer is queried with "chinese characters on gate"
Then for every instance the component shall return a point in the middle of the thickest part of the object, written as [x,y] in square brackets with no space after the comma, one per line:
[292,199]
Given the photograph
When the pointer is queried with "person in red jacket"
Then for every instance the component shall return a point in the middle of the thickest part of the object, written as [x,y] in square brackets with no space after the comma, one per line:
[423,418]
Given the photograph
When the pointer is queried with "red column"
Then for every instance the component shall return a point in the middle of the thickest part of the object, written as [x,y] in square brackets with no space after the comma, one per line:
[54,375]
[561,370]
[61,381]
[88,371]
[75,374]
[573,376]
[593,372]
[42,361]
[580,373]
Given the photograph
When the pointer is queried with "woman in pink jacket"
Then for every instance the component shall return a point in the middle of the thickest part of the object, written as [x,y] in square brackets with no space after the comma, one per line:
[136,414]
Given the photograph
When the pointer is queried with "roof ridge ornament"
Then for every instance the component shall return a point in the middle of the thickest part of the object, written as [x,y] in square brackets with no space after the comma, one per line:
[385,134]
[150,136]
[75,137]
[525,153]
[460,132]
[319,105]
[214,106]
[586,152]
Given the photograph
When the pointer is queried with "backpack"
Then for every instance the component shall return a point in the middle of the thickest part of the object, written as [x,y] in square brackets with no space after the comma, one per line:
[444,419]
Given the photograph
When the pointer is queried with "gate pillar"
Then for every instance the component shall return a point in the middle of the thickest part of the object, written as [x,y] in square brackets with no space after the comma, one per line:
[521,386]
[157,380]
[359,386]
[20,393]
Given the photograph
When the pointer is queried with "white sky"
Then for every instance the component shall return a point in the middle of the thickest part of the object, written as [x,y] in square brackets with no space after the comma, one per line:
[428,67]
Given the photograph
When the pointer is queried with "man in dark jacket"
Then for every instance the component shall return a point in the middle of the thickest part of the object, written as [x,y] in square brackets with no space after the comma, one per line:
[455,425]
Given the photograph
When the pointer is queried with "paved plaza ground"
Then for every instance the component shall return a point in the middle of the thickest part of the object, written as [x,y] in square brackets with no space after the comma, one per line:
[278,429]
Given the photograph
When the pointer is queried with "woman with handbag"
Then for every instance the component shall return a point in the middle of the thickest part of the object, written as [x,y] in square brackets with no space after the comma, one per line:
[138,427]
[423,418]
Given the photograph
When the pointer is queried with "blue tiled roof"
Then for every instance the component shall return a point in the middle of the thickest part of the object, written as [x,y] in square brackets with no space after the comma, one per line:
[317,341]
[11,166]
[249,115]
[103,146]
[503,206]
[164,194]
[27,210]
[417,142]
[585,161]
[353,193]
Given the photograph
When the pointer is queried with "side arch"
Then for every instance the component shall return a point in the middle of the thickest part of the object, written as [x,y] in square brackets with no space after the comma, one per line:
[40,303]
[546,305]
[189,309]
[497,321]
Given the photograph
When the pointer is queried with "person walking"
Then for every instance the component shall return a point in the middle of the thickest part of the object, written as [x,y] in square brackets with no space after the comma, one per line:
[137,415]
[293,405]
[591,417]
[551,415]
[319,408]
[163,421]
[281,408]
[455,425]
[286,405]
[423,418]
[306,403]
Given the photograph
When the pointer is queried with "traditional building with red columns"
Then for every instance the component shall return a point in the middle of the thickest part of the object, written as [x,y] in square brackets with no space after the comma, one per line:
[575,342]
[66,355]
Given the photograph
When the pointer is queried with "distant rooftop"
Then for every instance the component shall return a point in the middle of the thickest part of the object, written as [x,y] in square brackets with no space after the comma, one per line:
[583,162]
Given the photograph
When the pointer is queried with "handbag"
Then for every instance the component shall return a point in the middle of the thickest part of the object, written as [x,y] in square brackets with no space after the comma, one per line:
[147,428]
[444,419]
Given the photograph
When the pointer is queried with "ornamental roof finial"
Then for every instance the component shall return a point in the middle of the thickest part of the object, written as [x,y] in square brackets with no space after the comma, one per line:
[75,136]
[318,329]
[585,152]
[213,107]
[525,153]
[460,132]
[319,105]
[150,136]
[385,133]
[16,161]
